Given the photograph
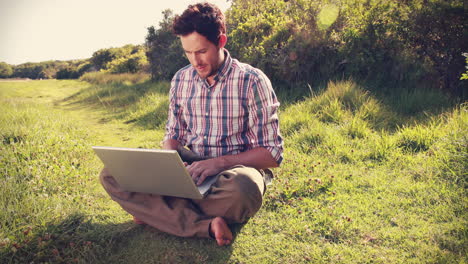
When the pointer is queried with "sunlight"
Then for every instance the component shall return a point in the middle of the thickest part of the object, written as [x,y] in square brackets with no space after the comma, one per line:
[327,16]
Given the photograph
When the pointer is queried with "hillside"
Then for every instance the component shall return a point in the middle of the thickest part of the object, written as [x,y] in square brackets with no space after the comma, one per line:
[364,179]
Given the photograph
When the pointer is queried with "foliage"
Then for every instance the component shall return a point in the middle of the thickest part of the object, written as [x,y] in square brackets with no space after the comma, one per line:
[67,73]
[465,74]
[127,59]
[437,33]
[71,69]
[133,63]
[164,51]
[5,70]
[40,70]
[101,57]
[391,42]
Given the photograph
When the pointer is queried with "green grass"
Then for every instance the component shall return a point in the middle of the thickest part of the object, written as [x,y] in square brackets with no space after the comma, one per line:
[362,181]
[109,78]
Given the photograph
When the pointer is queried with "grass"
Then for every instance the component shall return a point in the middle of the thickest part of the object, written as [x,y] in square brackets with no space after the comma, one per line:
[109,78]
[362,181]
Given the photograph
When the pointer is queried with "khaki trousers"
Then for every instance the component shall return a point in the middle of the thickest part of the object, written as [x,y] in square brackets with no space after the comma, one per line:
[235,196]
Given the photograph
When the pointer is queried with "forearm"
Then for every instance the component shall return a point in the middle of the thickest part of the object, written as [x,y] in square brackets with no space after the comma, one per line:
[259,158]
[171,144]
[185,154]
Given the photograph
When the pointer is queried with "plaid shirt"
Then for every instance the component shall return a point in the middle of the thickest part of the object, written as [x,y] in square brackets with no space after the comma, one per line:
[236,114]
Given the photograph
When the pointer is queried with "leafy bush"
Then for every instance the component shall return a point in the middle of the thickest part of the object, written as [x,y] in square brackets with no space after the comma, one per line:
[465,75]
[68,73]
[71,69]
[164,51]
[5,70]
[129,58]
[386,41]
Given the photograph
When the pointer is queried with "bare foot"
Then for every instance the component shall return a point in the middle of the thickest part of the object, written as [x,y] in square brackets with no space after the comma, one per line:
[221,231]
[138,221]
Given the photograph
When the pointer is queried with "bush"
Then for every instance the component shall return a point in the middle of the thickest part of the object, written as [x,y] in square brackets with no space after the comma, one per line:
[391,42]
[68,73]
[5,70]
[126,59]
[164,51]
[465,75]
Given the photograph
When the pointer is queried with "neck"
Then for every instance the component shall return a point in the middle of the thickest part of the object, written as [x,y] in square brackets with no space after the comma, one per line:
[222,57]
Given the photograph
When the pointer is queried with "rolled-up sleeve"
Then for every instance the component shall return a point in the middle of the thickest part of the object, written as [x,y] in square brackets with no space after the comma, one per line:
[176,127]
[263,118]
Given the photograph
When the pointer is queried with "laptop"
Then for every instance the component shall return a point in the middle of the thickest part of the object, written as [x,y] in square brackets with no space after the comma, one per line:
[153,171]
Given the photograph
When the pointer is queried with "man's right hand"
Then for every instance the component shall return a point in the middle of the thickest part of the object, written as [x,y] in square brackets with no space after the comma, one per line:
[200,170]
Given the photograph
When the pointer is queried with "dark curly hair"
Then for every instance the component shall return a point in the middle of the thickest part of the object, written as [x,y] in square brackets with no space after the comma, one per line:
[204,18]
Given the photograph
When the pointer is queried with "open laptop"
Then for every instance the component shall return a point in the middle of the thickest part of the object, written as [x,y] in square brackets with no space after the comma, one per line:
[153,171]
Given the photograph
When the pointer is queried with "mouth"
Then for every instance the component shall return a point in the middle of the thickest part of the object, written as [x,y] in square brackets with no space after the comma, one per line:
[201,68]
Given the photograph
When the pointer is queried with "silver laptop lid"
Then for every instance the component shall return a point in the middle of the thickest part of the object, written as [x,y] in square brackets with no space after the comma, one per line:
[151,171]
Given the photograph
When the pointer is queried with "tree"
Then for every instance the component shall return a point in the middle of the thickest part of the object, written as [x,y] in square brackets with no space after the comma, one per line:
[102,57]
[164,51]
[133,60]
[5,70]
[129,58]
[30,70]
[415,42]
[68,73]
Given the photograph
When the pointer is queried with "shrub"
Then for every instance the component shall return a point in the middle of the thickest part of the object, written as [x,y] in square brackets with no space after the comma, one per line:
[390,42]
[68,73]
[5,70]
[126,59]
[164,51]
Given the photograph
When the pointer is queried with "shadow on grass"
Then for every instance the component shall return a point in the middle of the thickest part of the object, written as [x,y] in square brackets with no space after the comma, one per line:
[155,119]
[398,106]
[124,102]
[383,107]
[118,92]
[115,94]
[80,240]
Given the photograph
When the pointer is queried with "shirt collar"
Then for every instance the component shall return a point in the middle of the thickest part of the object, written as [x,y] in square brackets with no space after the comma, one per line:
[223,70]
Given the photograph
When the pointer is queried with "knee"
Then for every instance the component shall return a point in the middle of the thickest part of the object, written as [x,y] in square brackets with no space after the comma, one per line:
[247,186]
[248,180]
[106,179]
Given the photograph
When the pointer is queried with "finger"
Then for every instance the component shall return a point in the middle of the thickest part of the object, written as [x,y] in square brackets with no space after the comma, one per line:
[202,178]
[195,175]
[194,172]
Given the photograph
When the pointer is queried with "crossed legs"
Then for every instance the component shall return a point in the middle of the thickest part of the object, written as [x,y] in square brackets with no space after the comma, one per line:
[233,198]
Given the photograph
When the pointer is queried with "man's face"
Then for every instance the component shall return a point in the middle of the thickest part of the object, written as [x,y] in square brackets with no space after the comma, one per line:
[204,56]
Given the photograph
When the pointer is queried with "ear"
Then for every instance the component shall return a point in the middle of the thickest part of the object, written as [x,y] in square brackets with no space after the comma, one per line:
[222,41]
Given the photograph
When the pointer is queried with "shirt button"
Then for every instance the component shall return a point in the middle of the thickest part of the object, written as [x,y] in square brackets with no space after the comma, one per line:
[204,137]
[206,114]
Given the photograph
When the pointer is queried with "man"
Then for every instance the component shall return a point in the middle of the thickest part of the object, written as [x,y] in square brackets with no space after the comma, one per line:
[223,121]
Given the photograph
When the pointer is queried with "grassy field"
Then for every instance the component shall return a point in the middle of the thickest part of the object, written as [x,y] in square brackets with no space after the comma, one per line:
[365,179]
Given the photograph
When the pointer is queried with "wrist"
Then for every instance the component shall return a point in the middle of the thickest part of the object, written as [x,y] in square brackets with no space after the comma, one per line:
[223,162]
[171,144]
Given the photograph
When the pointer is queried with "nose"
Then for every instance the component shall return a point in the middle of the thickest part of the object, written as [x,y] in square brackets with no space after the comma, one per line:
[197,59]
